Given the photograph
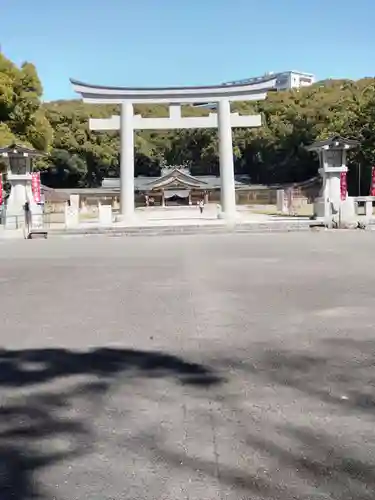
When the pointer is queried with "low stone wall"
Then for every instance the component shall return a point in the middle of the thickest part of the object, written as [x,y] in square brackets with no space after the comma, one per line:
[303,194]
[256,196]
[54,208]
[53,218]
[251,196]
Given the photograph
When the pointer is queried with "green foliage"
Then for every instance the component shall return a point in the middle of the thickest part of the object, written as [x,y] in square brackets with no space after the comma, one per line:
[273,153]
[22,117]
[64,169]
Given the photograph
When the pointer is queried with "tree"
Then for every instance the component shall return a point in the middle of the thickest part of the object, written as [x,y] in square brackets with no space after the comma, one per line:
[64,169]
[21,114]
[274,153]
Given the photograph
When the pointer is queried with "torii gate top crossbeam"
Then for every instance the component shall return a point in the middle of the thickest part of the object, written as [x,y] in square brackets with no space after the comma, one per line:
[98,94]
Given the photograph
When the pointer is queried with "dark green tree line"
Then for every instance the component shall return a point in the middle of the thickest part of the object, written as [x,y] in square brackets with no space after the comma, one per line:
[272,153]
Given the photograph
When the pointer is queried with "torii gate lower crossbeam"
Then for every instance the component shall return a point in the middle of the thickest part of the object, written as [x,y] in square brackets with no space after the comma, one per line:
[127,122]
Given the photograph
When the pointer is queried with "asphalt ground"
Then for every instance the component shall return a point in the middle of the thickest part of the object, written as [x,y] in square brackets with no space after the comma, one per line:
[188,367]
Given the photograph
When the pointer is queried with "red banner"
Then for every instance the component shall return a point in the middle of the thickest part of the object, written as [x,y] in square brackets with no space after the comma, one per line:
[372,188]
[343,186]
[35,186]
[1,189]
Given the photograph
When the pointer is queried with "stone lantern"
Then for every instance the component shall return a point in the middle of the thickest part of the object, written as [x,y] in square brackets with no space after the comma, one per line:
[333,203]
[19,170]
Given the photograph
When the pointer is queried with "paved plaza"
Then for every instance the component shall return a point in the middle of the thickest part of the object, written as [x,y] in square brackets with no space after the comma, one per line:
[191,215]
[235,367]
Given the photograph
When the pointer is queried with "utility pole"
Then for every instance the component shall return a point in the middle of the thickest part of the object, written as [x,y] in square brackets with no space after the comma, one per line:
[359,179]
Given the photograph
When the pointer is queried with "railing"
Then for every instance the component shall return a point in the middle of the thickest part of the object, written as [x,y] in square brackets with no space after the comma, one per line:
[44,220]
[13,221]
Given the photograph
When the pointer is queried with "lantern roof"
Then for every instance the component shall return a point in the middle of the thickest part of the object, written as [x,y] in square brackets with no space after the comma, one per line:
[16,149]
[334,142]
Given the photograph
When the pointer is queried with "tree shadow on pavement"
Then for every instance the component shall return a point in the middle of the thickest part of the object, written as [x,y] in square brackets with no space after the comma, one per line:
[336,371]
[301,421]
[320,449]
[39,389]
[333,382]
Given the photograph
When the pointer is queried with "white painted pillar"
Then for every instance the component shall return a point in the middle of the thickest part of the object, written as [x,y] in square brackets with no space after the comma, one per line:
[228,195]
[127,160]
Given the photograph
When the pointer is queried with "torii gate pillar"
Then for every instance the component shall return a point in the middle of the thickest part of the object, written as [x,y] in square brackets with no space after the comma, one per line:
[228,189]
[127,161]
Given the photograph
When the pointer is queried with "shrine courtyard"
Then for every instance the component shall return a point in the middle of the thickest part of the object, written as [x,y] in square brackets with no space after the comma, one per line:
[192,367]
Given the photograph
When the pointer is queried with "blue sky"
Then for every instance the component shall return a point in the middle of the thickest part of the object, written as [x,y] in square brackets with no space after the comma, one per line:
[179,42]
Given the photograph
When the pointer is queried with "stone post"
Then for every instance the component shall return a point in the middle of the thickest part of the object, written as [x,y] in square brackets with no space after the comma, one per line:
[127,161]
[368,209]
[281,205]
[71,216]
[105,214]
[228,197]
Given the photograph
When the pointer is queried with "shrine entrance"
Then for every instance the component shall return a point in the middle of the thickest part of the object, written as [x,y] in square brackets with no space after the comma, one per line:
[176,198]
[128,121]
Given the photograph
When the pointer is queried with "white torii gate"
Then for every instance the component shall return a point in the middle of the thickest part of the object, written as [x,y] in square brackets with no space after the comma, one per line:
[127,122]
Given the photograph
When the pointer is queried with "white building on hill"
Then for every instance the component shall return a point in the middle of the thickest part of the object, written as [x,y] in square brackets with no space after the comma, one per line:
[284,80]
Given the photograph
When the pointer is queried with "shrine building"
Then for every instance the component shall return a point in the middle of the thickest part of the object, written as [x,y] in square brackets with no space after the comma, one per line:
[175,186]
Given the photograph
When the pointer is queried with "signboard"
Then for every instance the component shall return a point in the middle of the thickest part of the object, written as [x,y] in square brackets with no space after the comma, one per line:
[35,186]
[372,187]
[343,186]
